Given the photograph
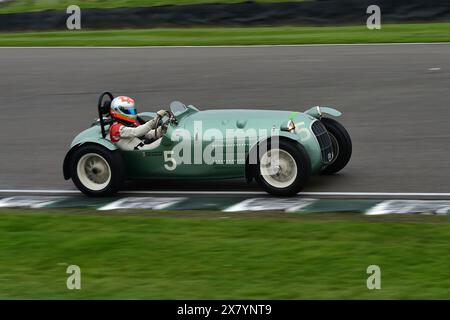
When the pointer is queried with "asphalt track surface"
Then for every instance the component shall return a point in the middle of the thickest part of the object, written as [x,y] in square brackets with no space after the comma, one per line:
[395,100]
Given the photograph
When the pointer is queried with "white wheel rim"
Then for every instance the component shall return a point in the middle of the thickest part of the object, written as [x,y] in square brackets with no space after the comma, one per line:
[93,171]
[278,168]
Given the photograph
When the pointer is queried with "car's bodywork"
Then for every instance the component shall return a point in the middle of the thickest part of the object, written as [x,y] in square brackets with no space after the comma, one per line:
[158,162]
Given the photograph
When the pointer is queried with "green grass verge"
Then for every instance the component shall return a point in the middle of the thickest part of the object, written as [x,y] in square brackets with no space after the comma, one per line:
[221,256]
[40,5]
[430,32]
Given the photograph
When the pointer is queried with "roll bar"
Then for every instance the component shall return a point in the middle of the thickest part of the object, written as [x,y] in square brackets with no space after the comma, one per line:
[103,109]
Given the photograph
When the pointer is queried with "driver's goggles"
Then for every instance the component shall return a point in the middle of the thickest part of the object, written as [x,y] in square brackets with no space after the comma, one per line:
[129,111]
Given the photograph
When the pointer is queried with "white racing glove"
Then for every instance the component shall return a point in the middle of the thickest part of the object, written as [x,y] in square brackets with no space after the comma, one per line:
[162,113]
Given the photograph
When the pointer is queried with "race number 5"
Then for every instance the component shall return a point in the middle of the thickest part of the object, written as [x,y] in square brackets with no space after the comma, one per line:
[170,163]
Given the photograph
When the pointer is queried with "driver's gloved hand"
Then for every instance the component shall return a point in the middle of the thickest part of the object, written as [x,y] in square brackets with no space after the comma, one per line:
[162,113]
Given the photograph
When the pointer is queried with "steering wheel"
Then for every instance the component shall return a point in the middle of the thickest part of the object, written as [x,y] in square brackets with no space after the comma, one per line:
[171,119]
[164,125]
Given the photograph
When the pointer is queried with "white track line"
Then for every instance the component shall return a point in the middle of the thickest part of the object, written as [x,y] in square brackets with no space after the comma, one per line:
[242,46]
[19,191]
[399,194]
[382,194]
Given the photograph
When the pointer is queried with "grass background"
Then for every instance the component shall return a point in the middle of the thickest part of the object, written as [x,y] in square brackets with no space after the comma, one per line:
[40,5]
[395,33]
[221,256]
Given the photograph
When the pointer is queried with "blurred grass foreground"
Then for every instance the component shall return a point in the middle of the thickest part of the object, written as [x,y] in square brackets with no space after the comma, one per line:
[213,255]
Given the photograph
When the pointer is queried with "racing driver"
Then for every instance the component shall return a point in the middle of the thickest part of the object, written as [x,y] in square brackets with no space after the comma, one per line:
[126,132]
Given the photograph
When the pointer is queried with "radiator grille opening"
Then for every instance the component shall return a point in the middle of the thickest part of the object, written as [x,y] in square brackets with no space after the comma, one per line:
[326,147]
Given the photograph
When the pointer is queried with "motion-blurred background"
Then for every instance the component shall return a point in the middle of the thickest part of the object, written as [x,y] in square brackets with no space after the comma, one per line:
[395,103]
[51,15]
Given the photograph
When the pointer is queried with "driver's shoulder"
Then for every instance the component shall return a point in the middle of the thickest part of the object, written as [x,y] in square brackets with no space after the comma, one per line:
[116,126]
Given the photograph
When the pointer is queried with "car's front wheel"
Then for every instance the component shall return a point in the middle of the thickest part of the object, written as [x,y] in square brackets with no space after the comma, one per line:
[96,171]
[283,170]
[342,145]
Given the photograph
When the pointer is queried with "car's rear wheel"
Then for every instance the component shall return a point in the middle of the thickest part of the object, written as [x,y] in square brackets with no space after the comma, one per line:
[342,145]
[96,171]
[287,175]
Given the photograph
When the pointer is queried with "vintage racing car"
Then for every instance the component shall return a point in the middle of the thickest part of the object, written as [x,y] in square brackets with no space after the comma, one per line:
[279,149]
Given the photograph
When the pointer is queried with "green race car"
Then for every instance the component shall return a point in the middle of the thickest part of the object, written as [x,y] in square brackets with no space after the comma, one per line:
[279,149]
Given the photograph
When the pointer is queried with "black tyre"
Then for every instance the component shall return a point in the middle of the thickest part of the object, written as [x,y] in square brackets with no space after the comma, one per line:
[291,173]
[342,145]
[96,171]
